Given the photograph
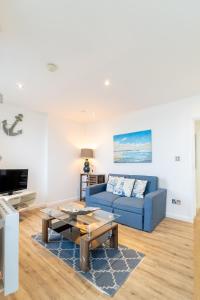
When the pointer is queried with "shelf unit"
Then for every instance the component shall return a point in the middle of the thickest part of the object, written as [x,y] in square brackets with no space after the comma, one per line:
[87,180]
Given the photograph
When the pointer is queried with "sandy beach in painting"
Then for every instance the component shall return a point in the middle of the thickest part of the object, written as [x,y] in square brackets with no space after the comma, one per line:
[134,147]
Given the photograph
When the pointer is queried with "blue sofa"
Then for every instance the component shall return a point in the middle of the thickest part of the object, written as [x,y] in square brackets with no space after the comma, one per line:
[144,214]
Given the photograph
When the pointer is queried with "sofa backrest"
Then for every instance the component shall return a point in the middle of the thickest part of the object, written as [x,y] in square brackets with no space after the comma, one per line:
[152,184]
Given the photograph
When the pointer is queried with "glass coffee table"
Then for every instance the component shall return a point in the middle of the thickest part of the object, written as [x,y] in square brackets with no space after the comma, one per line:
[89,230]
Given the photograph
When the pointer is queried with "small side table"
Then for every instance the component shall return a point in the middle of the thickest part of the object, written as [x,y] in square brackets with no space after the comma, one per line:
[87,180]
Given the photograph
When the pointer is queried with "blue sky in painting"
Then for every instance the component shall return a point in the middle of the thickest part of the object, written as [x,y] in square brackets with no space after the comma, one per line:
[140,137]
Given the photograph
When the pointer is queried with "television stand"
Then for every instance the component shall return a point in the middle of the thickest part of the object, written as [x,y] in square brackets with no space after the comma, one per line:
[21,199]
[12,193]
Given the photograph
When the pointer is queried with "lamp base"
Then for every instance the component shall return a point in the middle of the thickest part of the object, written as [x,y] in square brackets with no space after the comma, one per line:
[86,167]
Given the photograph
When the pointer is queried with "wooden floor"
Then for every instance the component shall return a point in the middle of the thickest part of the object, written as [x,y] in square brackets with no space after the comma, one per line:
[165,273]
[197,256]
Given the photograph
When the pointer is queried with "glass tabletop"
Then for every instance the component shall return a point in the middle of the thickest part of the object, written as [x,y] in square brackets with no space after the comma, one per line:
[68,213]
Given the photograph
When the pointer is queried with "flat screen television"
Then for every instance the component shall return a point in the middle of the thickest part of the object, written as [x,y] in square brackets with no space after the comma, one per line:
[12,180]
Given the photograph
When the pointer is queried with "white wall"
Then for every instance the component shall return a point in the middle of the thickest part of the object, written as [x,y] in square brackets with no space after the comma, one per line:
[64,142]
[49,147]
[173,134]
[27,150]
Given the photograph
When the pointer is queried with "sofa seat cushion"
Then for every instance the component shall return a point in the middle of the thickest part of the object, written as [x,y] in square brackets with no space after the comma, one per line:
[104,198]
[130,204]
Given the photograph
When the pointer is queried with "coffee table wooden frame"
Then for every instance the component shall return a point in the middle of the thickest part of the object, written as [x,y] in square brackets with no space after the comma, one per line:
[86,242]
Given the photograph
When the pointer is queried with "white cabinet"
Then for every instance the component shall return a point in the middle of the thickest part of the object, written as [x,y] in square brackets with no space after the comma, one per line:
[22,199]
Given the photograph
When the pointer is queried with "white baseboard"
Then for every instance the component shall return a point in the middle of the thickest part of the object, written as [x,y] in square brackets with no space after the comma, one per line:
[180,218]
[44,204]
[32,206]
[52,203]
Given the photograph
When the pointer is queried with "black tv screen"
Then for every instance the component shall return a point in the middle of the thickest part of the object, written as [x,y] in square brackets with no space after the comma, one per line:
[13,180]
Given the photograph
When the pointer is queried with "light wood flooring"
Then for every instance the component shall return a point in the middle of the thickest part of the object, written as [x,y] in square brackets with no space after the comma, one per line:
[165,273]
[197,256]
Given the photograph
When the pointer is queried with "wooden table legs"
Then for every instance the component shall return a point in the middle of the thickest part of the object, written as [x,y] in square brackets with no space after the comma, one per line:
[114,237]
[85,246]
[84,255]
[45,226]
[85,240]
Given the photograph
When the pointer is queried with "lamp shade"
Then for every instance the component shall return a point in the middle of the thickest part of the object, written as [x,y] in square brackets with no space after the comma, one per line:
[87,153]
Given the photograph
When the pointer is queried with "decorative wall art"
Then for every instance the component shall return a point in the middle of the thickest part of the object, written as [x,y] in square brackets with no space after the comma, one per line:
[134,147]
[11,130]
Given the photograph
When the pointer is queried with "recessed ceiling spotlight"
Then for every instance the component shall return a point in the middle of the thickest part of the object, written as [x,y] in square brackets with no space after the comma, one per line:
[107,82]
[19,85]
[52,67]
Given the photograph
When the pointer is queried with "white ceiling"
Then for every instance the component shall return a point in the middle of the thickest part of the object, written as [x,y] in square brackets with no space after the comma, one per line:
[149,49]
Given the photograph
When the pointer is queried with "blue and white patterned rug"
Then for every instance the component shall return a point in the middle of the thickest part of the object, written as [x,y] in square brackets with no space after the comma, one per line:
[109,267]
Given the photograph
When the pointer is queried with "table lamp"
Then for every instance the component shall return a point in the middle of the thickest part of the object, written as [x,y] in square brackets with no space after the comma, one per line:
[87,153]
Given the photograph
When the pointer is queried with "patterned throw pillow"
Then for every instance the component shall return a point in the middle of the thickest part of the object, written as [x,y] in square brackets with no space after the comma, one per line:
[112,181]
[128,186]
[124,187]
[118,189]
[139,188]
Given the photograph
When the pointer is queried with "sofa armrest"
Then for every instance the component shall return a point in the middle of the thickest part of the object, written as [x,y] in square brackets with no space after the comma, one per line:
[154,209]
[95,189]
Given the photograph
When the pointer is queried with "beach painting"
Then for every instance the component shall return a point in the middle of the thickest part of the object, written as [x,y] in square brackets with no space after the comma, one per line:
[134,147]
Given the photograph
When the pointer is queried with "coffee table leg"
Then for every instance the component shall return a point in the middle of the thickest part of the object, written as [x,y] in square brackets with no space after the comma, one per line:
[45,226]
[114,238]
[84,255]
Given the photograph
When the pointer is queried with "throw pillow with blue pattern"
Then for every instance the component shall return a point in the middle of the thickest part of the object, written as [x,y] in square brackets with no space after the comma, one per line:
[139,188]
[119,186]
[124,187]
[112,182]
[128,186]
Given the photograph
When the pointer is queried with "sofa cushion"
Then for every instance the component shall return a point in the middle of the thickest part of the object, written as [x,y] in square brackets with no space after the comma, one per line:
[118,189]
[103,207]
[139,188]
[130,204]
[104,198]
[152,184]
[124,187]
[112,182]
[128,186]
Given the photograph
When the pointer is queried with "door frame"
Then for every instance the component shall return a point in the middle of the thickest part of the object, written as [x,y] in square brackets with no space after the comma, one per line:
[194,150]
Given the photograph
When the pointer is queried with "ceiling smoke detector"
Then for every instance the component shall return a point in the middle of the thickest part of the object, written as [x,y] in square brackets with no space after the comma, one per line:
[52,67]
[1,98]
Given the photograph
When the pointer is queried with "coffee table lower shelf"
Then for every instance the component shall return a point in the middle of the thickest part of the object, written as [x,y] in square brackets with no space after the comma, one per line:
[86,242]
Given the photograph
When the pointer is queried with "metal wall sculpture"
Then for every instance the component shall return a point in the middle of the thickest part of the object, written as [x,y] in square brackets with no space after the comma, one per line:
[11,130]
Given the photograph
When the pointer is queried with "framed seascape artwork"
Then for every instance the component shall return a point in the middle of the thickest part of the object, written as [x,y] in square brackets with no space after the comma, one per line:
[134,147]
